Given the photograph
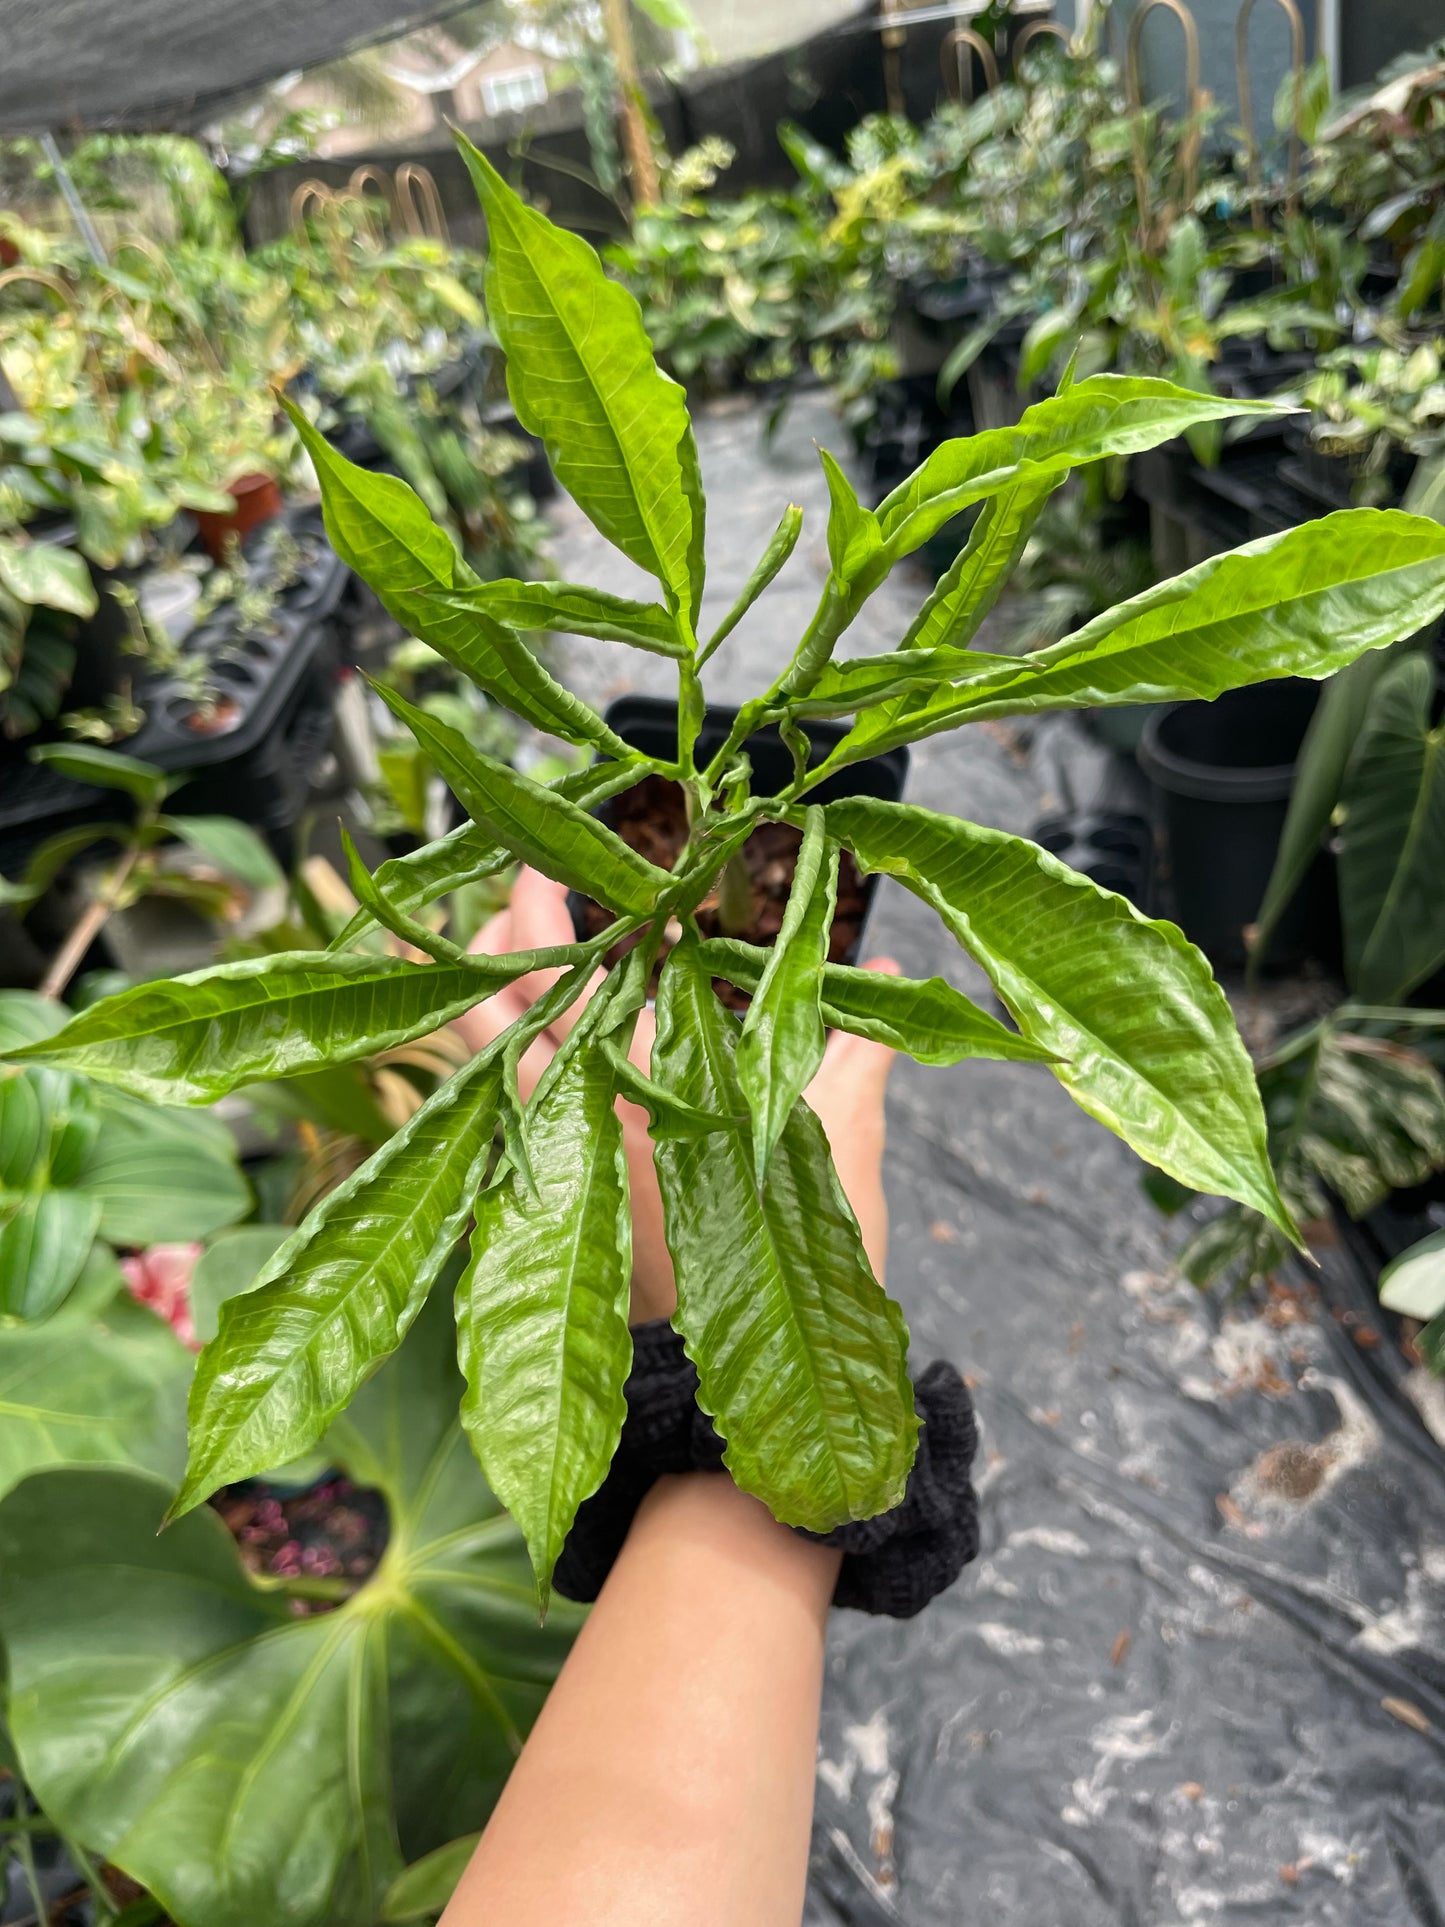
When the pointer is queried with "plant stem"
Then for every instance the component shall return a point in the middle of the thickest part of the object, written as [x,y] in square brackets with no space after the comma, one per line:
[67,959]
[641,162]
[105,1907]
[25,1854]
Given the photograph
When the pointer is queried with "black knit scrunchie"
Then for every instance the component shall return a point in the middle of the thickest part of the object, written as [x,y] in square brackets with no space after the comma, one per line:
[893,1564]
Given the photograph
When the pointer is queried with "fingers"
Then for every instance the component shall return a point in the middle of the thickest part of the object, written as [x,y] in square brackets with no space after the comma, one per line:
[860,1064]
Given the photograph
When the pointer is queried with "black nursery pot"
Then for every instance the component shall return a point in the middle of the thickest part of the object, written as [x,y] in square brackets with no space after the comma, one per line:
[1222,772]
[649,724]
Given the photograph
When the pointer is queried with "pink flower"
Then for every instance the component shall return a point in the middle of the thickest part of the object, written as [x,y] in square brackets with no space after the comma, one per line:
[160,1277]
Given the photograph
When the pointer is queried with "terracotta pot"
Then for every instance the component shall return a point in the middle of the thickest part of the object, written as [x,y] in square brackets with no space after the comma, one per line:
[258,500]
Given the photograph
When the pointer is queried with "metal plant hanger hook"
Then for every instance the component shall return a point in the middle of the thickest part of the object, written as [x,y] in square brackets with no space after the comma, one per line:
[369,182]
[418,202]
[1032,31]
[1246,103]
[1194,107]
[958,68]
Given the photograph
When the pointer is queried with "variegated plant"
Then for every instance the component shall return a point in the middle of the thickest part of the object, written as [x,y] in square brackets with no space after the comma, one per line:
[800,1355]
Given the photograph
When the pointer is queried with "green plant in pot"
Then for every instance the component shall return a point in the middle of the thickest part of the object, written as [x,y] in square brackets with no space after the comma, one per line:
[801,1357]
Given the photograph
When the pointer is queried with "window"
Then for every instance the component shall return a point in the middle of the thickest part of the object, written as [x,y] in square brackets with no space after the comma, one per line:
[517,87]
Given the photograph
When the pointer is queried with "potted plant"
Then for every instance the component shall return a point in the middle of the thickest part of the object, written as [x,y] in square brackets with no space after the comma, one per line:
[801,1357]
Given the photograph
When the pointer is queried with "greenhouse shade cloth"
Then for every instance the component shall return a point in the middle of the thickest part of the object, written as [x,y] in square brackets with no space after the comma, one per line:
[67,64]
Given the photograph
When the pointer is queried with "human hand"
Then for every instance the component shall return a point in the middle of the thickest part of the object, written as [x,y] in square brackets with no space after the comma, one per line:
[846,1094]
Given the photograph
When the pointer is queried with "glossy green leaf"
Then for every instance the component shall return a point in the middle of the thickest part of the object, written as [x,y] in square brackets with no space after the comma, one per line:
[244,1764]
[1414,1283]
[106,768]
[861,682]
[1103,415]
[161,1176]
[667,1115]
[581,375]
[420,936]
[539,825]
[107,1390]
[781,545]
[576,611]
[231,846]
[1392,839]
[1145,1038]
[382,529]
[783,1038]
[800,1356]
[422,1890]
[1302,603]
[192,1039]
[925,1017]
[44,574]
[1324,755]
[45,1239]
[340,1294]
[978,574]
[231,1264]
[542,1312]
[853,533]
[469,855]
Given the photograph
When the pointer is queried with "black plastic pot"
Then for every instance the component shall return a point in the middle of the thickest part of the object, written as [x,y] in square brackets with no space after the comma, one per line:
[1222,773]
[649,724]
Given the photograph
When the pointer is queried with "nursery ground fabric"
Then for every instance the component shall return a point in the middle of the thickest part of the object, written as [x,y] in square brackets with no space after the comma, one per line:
[1196,1674]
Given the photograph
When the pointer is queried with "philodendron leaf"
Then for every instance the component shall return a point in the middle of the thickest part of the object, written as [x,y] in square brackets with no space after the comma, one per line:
[246,1765]
[783,1037]
[1392,838]
[45,1239]
[1324,755]
[577,611]
[1145,1038]
[422,1890]
[192,1039]
[108,1390]
[1302,603]
[542,1312]
[381,528]
[925,1017]
[160,1176]
[581,375]
[340,1294]
[800,1356]
[539,825]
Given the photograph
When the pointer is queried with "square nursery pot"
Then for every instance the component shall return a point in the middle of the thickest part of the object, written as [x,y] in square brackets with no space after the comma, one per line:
[650,818]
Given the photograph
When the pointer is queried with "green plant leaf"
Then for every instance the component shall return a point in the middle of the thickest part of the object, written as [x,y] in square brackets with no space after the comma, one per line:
[577,611]
[231,1264]
[160,1176]
[783,541]
[925,1017]
[45,1239]
[192,1039]
[1328,744]
[424,1888]
[1302,603]
[1103,415]
[231,846]
[539,825]
[1392,839]
[800,1356]
[106,768]
[340,1294]
[1145,1038]
[51,857]
[45,575]
[246,1765]
[862,682]
[1414,1283]
[381,528]
[978,574]
[581,375]
[542,1312]
[783,1038]
[96,1391]
[363,887]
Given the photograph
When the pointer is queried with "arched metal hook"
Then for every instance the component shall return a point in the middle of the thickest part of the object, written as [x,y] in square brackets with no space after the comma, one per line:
[1194,103]
[418,202]
[369,175]
[1246,104]
[958,68]
[1036,30]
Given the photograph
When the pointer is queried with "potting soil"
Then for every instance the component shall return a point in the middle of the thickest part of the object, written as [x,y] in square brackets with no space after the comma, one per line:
[1197,1673]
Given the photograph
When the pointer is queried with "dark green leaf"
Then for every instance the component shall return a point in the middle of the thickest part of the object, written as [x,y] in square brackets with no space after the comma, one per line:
[783,1037]
[542,1312]
[85,763]
[577,611]
[231,1264]
[423,1889]
[539,825]
[193,1039]
[582,377]
[1146,1039]
[667,1114]
[780,547]
[45,1239]
[1392,839]
[51,857]
[925,1017]
[246,1765]
[161,1176]
[340,1294]
[800,1355]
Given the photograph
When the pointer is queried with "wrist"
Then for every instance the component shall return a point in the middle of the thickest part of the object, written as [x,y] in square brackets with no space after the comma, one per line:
[710,1524]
